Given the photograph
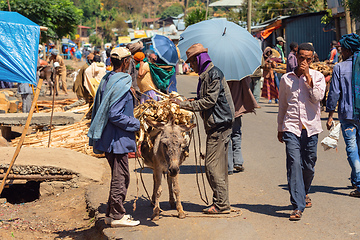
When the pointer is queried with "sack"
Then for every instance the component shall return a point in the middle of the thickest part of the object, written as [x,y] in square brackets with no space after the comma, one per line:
[332,140]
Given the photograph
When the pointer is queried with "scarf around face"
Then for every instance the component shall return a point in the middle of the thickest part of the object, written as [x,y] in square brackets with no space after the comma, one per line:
[203,60]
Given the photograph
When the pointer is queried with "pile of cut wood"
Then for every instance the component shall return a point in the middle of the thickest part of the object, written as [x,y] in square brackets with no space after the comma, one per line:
[45,106]
[8,102]
[72,136]
[324,68]
[161,111]
[280,68]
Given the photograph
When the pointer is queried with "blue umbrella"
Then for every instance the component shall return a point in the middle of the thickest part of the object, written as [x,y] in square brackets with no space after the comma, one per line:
[165,48]
[231,48]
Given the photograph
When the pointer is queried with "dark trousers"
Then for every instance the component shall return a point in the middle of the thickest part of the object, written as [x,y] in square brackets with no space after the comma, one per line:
[300,162]
[216,167]
[120,179]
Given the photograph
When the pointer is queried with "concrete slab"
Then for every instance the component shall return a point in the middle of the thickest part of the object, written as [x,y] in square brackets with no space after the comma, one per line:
[41,119]
[89,168]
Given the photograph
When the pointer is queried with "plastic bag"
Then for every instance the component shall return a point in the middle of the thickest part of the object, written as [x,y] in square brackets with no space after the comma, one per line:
[331,141]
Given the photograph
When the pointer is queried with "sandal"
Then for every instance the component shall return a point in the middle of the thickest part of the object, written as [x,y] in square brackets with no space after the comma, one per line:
[295,215]
[355,193]
[308,203]
[214,210]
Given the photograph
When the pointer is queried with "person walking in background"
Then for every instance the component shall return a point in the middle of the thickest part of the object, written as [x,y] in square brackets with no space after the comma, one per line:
[334,56]
[344,88]
[112,131]
[25,90]
[60,71]
[291,63]
[280,48]
[244,102]
[216,107]
[145,80]
[299,124]
[269,90]
[255,84]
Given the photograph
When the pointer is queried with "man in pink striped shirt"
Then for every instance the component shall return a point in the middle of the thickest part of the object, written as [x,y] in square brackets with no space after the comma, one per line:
[299,124]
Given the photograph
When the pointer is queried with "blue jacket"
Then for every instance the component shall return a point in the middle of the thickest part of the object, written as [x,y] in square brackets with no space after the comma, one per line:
[341,90]
[113,124]
[119,133]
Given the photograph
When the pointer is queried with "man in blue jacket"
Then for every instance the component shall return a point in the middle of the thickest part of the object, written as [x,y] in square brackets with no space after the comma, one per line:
[112,131]
[344,89]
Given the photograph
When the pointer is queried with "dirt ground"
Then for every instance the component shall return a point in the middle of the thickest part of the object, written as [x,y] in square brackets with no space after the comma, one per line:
[61,216]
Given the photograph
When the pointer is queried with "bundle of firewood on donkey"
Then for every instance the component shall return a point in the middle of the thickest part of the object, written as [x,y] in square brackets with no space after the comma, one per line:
[163,141]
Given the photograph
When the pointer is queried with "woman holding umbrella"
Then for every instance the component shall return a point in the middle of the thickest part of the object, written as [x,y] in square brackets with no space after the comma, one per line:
[269,89]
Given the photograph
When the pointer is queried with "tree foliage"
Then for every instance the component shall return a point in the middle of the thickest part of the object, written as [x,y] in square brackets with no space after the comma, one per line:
[354,6]
[172,11]
[195,16]
[60,16]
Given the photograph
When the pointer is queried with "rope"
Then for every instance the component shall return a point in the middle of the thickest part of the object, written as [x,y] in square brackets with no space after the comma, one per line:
[206,200]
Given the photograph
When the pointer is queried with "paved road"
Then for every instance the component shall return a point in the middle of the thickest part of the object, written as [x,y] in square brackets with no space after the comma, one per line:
[260,193]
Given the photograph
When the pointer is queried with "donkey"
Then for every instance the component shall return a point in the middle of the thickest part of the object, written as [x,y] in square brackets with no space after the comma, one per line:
[47,72]
[169,151]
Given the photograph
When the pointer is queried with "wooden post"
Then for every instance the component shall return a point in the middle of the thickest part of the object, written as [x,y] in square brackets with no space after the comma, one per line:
[27,124]
[249,16]
[52,114]
[348,19]
[9,5]
[337,28]
[207,9]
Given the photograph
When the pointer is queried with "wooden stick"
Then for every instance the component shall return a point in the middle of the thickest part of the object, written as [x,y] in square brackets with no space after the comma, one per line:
[27,124]
[51,118]
[37,108]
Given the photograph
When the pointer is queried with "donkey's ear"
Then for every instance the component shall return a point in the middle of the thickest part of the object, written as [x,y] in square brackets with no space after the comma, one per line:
[155,124]
[156,145]
[187,128]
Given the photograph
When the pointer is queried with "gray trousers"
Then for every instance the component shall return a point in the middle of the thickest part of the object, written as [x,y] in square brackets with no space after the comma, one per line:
[234,153]
[26,102]
[255,87]
[120,179]
[216,167]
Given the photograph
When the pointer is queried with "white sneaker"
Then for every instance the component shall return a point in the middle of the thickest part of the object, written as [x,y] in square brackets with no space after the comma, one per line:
[108,220]
[124,222]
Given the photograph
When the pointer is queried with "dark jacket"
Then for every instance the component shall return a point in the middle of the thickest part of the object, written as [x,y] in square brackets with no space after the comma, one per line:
[215,102]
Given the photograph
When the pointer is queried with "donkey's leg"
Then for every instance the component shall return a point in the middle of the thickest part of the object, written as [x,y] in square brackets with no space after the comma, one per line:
[170,181]
[179,207]
[157,194]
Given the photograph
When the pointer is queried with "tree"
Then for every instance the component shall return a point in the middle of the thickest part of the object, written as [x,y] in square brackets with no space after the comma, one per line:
[95,40]
[172,11]
[195,16]
[354,6]
[60,16]
[267,9]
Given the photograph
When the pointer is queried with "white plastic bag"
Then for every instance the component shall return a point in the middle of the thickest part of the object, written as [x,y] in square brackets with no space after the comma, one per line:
[332,140]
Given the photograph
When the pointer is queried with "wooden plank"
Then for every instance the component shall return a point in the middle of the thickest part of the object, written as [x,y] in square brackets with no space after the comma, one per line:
[34,177]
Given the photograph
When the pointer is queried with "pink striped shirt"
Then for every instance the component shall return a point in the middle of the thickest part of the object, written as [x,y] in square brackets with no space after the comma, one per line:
[299,104]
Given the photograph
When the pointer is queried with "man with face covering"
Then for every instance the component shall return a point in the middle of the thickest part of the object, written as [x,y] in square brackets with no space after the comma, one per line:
[216,107]
[299,125]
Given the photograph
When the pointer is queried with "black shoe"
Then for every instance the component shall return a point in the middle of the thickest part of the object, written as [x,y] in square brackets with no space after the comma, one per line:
[239,167]
[230,172]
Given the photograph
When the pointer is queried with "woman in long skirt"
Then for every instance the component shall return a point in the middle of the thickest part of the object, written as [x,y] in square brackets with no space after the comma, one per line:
[269,90]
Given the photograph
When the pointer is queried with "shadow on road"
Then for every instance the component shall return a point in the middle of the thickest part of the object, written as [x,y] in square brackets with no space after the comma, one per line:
[324,189]
[185,169]
[266,209]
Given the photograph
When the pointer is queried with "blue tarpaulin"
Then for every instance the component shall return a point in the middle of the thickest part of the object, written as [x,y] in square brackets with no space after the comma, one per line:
[19,46]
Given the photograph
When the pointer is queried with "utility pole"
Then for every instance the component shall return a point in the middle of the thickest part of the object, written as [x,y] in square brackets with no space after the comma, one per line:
[249,16]
[348,19]
[207,9]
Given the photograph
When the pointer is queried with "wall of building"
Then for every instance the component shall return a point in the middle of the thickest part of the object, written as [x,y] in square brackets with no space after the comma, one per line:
[309,29]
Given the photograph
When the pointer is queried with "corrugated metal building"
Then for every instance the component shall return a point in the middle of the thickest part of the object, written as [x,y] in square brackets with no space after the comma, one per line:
[299,28]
